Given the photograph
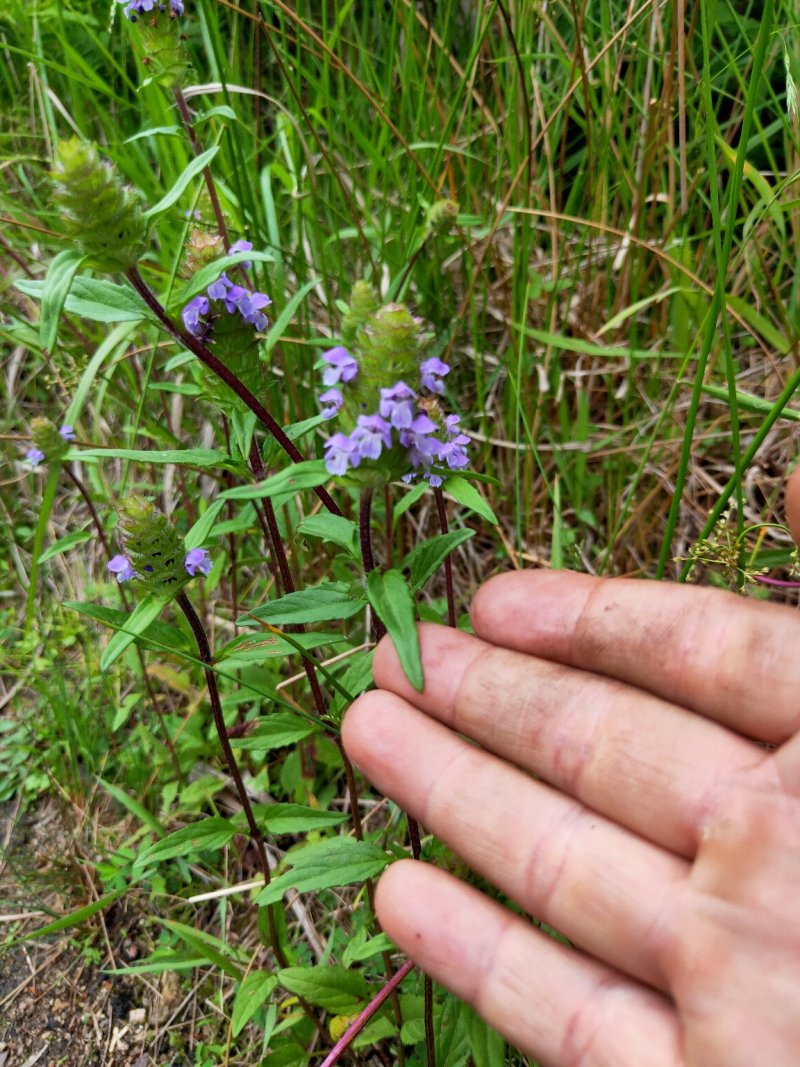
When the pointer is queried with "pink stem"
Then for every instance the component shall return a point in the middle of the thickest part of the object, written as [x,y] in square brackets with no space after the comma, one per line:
[354,1028]
[777,581]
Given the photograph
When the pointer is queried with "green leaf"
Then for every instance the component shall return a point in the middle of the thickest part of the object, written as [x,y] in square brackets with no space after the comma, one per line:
[196,167]
[155,131]
[111,348]
[207,835]
[249,648]
[288,313]
[74,918]
[214,950]
[333,528]
[133,806]
[424,560]
[94,299]
[280,819]
[391,598]
[409,499]
[160,961]
[306,475]
[56,286]
[208,274]
[465,493]
[275,731]
[252,993]
[64,544]
[749,402]
[201,531]
[488,1048]
[157,635]
[336,861]
[334,989]
[356,951]
[320,603]
[188,457]
[145,612]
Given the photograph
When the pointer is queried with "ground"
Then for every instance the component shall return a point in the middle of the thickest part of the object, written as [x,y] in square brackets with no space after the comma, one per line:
[57,1006]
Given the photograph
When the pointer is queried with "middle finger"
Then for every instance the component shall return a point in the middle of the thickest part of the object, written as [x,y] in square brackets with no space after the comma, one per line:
[647,764]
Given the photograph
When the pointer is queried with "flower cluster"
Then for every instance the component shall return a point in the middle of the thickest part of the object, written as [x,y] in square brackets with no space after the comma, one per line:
[197,561]
[199,313]
[35,455]
[403,421]
[141,7]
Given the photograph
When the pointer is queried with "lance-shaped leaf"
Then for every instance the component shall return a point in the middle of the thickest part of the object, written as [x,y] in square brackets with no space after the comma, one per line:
[320,603]
[392,599]
[145,612]
[336,861]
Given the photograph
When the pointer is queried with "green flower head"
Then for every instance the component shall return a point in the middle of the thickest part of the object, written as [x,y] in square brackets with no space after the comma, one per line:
[100,215]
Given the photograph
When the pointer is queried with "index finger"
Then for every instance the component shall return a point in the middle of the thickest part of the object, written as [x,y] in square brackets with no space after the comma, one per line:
[728,658]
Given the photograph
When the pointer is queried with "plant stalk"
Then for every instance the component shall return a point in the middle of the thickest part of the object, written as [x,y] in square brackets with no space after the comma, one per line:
[448,564]
[208,359]
[204,651]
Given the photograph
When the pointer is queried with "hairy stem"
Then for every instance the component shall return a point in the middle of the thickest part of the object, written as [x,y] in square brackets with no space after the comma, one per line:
[208,359]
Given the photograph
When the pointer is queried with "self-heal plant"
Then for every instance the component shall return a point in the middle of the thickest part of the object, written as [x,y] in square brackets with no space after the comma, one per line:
[135,8]
[48,442]
[390,429]
[227,318]
[102,217]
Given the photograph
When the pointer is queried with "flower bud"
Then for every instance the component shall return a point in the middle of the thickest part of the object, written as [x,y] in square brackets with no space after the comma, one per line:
[363,305]
[50,441]
[441,215]
[152,545]
[202,248]
[157,29]
[102,217]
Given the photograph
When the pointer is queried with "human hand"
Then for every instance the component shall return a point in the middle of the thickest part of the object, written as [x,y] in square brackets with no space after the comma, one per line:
[656,834]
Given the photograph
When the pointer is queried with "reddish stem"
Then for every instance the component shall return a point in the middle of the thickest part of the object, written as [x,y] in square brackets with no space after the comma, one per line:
[208,359]
[356,1027]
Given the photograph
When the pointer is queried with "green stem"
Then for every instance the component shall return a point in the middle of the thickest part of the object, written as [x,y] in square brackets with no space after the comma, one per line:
[718,300]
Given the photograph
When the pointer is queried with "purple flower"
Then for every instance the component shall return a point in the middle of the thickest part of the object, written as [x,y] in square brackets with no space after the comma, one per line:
[371,435]
[122,567]
[197,559]
[67,433]
[233,296]
[34,456]
[341,366]
[192,312]
[250,305]
[397,405]
[334,400]
[432,371]
[340,453]
[241,246]
[137,7]
[218,290]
